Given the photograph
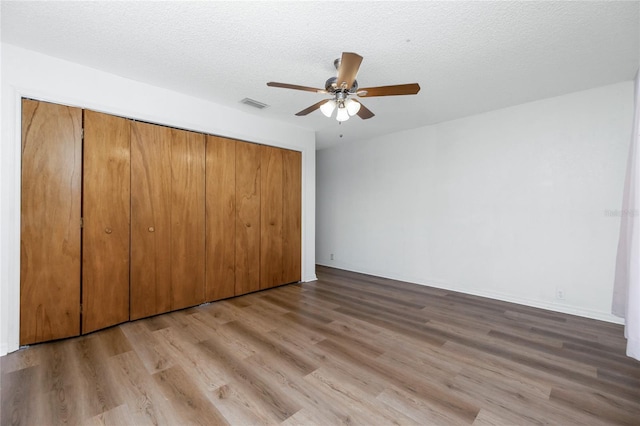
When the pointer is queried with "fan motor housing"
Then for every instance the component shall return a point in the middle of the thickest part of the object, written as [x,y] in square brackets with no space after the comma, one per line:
[331,85]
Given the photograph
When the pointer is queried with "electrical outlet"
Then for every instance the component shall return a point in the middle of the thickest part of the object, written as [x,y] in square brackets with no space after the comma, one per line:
[331,256]
[559,293]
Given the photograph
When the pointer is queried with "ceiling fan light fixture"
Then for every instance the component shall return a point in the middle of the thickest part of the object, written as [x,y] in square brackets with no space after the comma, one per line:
[342,114]
[352,106]
[328,107]
[344,85]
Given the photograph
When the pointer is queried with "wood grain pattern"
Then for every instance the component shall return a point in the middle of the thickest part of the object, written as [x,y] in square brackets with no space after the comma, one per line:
[271,197]
[106,208]
[347,349]
[187,219]
[50,222]
[220,218]
[292,217]
[150,220]
[247,257]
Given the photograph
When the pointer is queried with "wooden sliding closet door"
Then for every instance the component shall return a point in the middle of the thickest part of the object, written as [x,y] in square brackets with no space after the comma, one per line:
[105,212]
[247,218]
[50,222]
[150,220]
[221,218]
[292,217]
[271,196]
[187,218]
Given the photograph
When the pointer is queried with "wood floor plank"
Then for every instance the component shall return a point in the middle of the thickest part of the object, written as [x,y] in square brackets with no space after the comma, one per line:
[349,349]
[267,347]
[154,357]
[302,394]
[273,401]
[363,410]
[241,348]
[188,403]
[516,407]
[406,380]
[349,371]
[119,415]
[586,401]
[96,386]
[419,409]
[146,404]
[233,404]
[192,359]
[20,406]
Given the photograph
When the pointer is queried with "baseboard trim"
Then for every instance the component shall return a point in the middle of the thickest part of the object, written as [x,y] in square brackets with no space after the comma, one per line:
[555,307]
[311,278]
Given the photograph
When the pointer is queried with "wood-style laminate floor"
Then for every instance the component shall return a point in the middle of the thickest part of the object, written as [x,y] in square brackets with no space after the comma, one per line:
[347,349]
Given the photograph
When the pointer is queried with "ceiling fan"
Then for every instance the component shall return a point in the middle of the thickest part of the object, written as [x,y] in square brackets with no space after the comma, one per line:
[343,87]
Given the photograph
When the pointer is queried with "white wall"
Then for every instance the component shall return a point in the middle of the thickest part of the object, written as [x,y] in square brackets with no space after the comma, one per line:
[512,204]
[30,74]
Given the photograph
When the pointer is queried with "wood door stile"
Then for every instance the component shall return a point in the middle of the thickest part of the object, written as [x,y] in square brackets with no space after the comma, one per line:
[150,220]
[271,196]
[220,218]
[50,222]
[292,214]
[106,212]
[247,218]
[187,219]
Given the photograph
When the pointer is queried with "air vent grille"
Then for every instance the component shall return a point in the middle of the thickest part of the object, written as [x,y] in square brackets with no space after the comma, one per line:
[253,103]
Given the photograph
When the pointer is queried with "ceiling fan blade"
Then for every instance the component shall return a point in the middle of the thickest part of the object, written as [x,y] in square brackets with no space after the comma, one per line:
[312,107]
[295,87]
[398,89]
[364,112]
[349,66]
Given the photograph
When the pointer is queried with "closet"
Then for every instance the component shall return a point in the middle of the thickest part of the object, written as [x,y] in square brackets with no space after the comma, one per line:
[123,220]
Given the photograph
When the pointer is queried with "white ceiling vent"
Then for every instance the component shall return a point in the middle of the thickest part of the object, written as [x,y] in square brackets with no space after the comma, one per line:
[253,103]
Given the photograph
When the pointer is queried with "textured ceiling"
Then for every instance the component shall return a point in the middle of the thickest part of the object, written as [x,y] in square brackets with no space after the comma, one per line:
[468,57]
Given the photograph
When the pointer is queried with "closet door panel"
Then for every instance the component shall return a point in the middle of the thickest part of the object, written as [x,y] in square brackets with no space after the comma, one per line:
[50,222]
[247,218]
[221,218]
[106,210]
[271,180]
[187,219]
[292,217]
[150,220]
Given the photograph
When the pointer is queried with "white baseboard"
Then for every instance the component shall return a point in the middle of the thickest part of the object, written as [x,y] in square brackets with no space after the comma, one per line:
[310,278]
[542,304]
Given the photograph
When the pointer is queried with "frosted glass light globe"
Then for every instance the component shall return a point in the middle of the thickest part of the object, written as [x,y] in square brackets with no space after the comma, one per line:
[352,106]
[342,114]
[328,107]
